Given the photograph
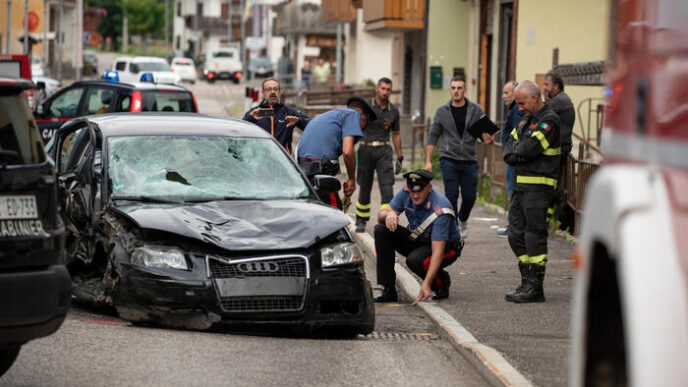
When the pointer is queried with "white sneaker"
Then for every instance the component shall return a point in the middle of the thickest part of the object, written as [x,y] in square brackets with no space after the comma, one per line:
[463,229]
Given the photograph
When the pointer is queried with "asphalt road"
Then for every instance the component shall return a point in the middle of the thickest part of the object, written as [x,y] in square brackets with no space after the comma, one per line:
[97,349]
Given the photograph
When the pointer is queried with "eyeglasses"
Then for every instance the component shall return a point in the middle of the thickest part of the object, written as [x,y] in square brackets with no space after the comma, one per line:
[269,89]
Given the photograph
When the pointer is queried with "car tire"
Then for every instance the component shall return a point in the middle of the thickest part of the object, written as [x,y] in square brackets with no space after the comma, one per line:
[193,82]
[7,358]
[236,80]
[211,80]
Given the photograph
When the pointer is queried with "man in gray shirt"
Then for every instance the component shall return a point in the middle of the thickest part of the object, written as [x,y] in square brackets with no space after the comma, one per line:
[458,161]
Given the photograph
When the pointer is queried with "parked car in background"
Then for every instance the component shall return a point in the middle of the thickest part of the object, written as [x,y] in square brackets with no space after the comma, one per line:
[183,234]
[45,87]
[130,69]
[102,96]
[223,63]
[37,66]
[90,59]
[34,286]
[185,68]
[260,67]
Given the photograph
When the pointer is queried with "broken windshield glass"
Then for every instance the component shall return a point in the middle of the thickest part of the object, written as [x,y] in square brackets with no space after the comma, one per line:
[201,168]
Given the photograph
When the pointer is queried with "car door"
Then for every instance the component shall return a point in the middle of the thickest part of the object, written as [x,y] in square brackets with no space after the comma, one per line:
[60,108]
[74,162]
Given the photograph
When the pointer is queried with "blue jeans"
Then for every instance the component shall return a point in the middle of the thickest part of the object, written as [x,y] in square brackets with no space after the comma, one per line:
[510,179]
[464,176]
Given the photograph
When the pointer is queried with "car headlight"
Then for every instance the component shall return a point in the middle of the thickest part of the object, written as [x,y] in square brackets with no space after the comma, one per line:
[159,256]
[340,254]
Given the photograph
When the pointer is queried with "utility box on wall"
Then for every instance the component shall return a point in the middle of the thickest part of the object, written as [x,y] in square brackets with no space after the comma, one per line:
[435,77]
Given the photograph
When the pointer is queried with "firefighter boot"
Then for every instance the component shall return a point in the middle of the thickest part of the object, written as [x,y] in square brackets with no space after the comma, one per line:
[532,291]
[360,225]
[389,294]
[523,268]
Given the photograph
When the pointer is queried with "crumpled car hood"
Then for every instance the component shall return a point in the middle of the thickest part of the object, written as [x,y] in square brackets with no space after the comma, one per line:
[242,225]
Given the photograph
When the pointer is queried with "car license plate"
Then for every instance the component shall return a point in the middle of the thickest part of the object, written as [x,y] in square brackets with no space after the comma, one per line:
[18,207]
[260,286]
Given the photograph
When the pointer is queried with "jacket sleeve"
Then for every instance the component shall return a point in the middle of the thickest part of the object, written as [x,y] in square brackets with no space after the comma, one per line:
[530,147]
[303,119]
[509,146]
[435,130]
[248,117]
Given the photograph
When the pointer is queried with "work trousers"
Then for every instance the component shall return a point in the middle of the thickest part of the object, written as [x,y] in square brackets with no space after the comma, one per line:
[418,255]
[528,225]
[371,159]
[461,175]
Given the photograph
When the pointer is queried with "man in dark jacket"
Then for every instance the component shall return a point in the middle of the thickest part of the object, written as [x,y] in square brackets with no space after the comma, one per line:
[458,161]
[279,122]
[534,149]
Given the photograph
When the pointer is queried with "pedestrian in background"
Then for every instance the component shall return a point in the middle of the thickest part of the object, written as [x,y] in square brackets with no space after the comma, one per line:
[321,71]
[306,74]
[275,117]
[513,117]
[560,103]
[375,153]
[534,149]
[430,243]
[333,134]
[458,161]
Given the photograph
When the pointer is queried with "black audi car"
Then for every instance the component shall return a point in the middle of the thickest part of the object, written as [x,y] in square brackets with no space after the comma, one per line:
[189,220]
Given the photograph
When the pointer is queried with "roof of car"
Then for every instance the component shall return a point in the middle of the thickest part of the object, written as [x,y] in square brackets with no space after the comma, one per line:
[133,85]
[140,59]
[15,85]
[145,123]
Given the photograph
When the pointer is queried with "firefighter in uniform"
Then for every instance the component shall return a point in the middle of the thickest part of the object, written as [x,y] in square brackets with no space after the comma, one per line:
[430,243]
[375,154]
[534,148]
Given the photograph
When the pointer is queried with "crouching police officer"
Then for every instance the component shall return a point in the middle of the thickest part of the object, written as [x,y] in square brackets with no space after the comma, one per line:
[431,242]
[534,150]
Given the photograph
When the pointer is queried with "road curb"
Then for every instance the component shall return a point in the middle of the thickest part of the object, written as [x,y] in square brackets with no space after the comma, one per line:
[487,360]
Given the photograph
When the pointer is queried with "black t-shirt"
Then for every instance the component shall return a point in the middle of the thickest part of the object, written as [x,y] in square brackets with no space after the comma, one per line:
[459,114]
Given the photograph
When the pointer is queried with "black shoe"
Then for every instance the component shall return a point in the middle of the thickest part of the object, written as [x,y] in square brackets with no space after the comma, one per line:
[442,292]
[360,225]
[389,294]
[523,269]
[533,290]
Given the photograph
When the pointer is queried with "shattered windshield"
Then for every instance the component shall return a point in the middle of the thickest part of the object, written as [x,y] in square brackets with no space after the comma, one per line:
[200,168]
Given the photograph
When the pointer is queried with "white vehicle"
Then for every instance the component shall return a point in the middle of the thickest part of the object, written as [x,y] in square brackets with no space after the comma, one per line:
[223,63]
[130,69]
[37,66]
[630,316]
[184,67]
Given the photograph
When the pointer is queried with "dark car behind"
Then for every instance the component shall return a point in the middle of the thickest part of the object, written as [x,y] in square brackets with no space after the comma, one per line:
[34,287]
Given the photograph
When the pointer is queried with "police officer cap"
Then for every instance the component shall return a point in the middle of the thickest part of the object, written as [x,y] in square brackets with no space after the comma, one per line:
[360,103]
[418,179]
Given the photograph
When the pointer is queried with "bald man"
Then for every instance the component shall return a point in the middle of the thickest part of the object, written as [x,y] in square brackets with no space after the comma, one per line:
[534,149]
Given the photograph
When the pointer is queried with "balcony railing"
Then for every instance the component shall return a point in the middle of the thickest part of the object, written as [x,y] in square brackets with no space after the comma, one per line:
[393,14]
[304,18]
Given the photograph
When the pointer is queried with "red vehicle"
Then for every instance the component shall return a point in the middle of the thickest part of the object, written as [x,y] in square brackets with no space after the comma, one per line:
[18,66]
[630,317]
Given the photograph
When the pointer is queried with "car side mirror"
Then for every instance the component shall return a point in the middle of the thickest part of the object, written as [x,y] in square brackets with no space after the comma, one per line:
[40,85]
[326,184]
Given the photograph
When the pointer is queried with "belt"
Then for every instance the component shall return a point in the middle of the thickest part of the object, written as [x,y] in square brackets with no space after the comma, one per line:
[375,143]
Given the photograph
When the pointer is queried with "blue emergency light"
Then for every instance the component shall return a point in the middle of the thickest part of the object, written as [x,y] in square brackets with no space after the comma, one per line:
[147,77]
[111,76]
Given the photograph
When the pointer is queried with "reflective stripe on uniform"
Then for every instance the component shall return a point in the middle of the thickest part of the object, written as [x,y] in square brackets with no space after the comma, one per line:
[523,258]
[543,141]
[383,206]
[514,134]
[536,180]
[363,210]
[552,152]
[550,214]
[538,259]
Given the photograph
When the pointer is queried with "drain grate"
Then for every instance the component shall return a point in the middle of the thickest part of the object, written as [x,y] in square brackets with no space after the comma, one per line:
[399,336]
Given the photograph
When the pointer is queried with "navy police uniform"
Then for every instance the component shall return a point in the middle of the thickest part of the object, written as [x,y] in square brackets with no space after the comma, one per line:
[534,149]
[414,242]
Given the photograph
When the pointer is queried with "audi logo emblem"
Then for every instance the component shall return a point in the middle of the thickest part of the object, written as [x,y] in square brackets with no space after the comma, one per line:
[258,267]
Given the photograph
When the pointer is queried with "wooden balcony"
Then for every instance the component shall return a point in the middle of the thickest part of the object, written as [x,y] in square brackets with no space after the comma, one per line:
[393,14]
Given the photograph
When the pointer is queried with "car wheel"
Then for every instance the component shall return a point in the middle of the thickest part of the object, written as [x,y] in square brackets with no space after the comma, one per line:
[193,82]
[236,80]
[211,80]
[7,358]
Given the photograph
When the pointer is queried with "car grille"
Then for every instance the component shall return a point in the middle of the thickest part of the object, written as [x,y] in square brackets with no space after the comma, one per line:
[262,304]
[263,267]
[282,268]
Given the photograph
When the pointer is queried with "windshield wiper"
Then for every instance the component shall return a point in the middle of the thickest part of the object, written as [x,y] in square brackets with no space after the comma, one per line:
[216,198]
[147,199]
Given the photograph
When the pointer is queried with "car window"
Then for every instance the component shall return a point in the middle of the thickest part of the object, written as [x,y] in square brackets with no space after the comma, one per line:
[66,105]
[223,54]
[72,150]
[120,66]
[99,100]
[166,101]
[20,142]
[201,168]
[124,104]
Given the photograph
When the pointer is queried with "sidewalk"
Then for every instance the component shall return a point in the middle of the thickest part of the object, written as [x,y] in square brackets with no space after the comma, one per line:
[533,338]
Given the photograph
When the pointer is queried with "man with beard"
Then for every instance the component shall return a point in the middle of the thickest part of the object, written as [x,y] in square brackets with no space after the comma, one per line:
[275,117]
[375,153]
